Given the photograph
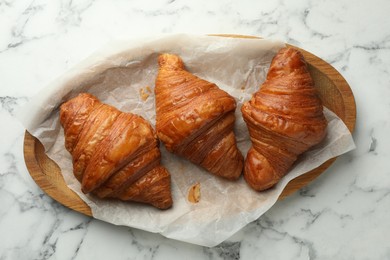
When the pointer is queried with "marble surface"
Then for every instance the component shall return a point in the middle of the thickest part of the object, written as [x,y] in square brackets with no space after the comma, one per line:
[344,214]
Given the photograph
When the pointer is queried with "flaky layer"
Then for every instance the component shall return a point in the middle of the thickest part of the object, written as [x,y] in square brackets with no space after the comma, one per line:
[114,152]
[285,118]
[195,119]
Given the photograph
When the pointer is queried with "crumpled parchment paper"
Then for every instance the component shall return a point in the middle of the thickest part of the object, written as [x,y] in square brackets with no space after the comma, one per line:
[122,74]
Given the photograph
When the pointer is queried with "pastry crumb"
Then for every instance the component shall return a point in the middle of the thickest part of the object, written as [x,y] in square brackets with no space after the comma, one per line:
[194,193]
[143,94]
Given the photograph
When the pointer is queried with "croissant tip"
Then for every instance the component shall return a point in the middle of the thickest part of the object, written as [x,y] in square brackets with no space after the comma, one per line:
[166,205]
[85,188]
[286,61]
[290,54]
[259,173]
[172,61]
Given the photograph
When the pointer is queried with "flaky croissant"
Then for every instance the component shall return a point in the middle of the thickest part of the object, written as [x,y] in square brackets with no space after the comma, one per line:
[285,118]
[115,154]
[195,119]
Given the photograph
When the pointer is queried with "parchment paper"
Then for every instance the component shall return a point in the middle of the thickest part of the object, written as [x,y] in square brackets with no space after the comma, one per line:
[122,74]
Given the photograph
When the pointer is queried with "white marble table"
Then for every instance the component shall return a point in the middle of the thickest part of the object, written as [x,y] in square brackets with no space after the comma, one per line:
[344,214]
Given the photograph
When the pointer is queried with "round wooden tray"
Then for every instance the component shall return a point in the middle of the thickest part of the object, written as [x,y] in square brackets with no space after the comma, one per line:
[332,87]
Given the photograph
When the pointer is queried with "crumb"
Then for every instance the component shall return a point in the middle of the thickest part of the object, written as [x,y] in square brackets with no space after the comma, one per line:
[144,96]
[194,193]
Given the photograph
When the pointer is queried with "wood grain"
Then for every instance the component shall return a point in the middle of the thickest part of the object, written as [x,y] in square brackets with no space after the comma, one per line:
[332,87]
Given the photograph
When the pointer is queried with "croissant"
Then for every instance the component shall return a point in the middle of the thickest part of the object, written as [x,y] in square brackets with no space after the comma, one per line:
[285,118]
[115,154]
[195,119]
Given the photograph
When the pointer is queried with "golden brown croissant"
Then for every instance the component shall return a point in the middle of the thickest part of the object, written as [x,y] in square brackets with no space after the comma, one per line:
[285,118]
[115,154]
[195,119]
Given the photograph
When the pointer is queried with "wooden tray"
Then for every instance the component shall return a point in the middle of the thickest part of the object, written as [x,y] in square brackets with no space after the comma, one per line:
[334,92]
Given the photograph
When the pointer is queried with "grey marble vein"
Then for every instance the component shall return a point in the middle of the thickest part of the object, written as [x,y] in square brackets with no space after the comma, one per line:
[343,214]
